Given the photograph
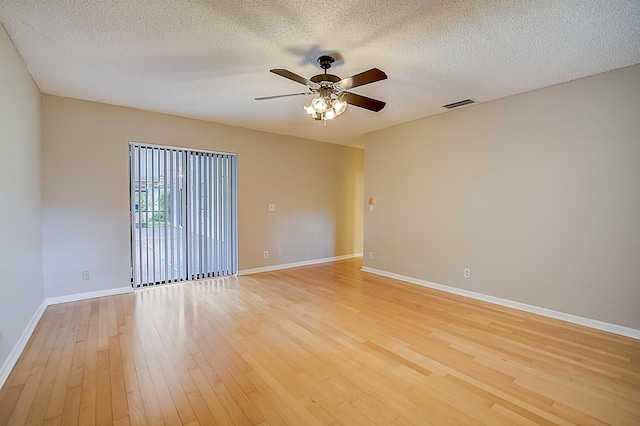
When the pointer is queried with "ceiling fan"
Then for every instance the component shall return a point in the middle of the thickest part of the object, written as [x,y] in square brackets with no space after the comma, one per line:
[333,98]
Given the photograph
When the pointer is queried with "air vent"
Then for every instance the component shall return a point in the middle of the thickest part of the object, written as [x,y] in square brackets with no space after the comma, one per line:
[459,104]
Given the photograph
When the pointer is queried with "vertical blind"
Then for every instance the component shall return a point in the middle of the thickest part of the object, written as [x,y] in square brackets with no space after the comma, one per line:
[183,214]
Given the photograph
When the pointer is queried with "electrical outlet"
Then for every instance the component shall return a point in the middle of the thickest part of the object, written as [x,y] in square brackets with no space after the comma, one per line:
[1,336]
[370,255]
[272,207]
[266,254]
[280,252]
[467,273]
[85,275]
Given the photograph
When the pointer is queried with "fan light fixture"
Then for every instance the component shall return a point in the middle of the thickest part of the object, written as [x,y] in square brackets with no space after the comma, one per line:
[326,107]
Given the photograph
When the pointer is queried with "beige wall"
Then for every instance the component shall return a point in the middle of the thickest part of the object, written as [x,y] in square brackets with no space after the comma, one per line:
[538,194]
[317,189]
[20,232]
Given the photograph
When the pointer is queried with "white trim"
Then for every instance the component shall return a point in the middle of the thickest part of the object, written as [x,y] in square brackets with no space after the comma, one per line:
[297,264]
[587,322]
[88,295]
[15,353]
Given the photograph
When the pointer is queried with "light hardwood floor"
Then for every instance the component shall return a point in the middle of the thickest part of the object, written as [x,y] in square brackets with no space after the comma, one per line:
[325,344]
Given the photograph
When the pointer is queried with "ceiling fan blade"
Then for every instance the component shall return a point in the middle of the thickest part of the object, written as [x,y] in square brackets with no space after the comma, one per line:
[363,101]
[366,77]
[263,98]
[292,76]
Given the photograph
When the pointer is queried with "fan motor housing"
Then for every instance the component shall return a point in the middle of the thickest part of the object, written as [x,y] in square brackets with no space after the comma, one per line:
[325,77]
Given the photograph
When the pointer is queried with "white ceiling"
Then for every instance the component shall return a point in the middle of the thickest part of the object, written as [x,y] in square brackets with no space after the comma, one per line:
[209,59]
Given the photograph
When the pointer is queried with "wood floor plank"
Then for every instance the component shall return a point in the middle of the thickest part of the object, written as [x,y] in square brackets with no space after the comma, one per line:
[71,410]
[166,402]
[103,389]
[124,421]
[167,383]
[200,408]
[43,395]
[273,385]
[89,374]
[27,361]
[116,378]
[8,403]
[269,412]
[136,407]
[273,399]
[55,421]
[58,392]
[322,344]
[23,405]
[152,410]
[214,404]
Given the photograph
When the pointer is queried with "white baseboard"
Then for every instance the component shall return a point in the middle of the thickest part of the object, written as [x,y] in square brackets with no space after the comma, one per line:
[88,295]
[297,264]
[15,353]
[587,322]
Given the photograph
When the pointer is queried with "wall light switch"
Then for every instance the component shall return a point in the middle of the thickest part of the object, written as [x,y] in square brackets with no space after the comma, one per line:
[370,207]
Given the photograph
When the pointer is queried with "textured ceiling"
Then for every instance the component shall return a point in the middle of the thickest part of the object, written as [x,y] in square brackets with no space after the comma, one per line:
[209,59]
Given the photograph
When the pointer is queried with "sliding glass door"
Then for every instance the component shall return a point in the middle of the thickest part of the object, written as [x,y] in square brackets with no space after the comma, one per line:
[183,214]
